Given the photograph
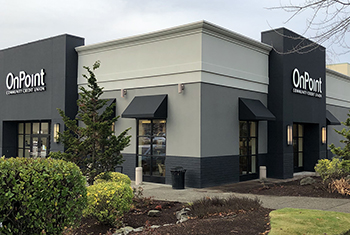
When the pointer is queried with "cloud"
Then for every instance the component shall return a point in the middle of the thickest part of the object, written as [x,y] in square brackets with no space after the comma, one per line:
[104,20]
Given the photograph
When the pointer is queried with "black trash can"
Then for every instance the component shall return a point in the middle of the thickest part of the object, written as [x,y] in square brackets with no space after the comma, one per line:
[178,177]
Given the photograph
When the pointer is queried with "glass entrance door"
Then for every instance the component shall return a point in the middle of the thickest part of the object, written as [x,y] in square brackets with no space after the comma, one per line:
[39,146]
[151,146]
[298,147]
[248,150]
[33,139]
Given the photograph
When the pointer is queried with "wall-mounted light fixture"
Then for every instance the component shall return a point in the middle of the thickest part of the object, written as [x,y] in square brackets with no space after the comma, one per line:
[56,130]
[289,135]
[123,93]
[180,87]
[324,135]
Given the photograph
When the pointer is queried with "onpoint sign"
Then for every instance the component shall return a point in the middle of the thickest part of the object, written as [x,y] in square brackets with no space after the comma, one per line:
[25,83]
[305,85]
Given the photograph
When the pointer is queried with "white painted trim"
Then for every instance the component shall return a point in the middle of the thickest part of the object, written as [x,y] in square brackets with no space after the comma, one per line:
[193,28]
[337,102]
[175,79]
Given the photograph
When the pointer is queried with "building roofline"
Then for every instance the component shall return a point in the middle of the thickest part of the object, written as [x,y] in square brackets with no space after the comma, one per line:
[200,26]
[333,72]
[42,40]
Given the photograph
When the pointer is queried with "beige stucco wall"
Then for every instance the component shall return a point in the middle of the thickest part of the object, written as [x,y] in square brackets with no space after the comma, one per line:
[343,68]
[337,89]
[195,54]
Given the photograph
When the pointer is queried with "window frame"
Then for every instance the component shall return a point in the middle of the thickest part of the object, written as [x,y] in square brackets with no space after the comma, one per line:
[150,177]
[31,136]
[249,175]
[296,142]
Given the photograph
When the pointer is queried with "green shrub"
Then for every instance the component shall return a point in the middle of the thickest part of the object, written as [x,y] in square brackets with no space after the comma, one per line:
[40,195]
[108,201]
[334,169]
[112,177]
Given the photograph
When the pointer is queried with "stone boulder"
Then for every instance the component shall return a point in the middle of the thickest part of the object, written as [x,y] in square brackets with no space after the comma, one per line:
[154,213]
[182,215]
[307,181]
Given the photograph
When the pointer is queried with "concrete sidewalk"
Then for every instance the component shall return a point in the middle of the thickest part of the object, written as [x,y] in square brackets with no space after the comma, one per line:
[165,192]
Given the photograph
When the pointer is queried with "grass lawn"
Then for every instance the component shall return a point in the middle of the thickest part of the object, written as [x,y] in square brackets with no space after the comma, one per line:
[302,221]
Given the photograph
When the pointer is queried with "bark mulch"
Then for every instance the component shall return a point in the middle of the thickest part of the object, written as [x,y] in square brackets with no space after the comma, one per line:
[255,221]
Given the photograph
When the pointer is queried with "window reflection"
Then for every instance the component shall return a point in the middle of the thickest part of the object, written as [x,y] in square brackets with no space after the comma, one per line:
[248,145]
[44,128]
[151,148]
[298,145]
[33,139]
[36,128]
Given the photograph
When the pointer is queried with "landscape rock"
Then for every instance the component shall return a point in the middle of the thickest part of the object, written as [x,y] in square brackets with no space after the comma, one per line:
[347,177]
[123,231]
[182,215]
[139,229]
[154,213]
[307,181]
[155,226]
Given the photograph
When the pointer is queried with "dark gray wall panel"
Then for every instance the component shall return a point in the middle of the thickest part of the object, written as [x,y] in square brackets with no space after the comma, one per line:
[10,139]
[219,170]
[58,58]
[289,107]
[190,164]
[341,113]
[129,165]
[220,122]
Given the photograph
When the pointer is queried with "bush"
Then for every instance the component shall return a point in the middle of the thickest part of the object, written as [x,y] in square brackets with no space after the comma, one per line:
[112,177]
[341,186]
[334,169]
[207,206]
[108,201]
[39,196]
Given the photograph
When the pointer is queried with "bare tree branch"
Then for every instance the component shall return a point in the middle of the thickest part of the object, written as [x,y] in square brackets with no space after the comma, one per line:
[329,22]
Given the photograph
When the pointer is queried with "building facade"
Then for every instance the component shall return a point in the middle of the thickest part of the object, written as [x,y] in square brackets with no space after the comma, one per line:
[197,96]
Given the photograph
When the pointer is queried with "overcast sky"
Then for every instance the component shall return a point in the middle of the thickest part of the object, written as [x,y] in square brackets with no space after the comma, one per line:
[103,20]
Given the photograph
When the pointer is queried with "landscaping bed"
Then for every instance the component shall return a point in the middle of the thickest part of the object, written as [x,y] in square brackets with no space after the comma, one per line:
[245,221]
[290,188]
[250,221]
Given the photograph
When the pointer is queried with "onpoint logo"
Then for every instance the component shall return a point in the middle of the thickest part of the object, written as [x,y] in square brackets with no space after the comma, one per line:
[305,85]
[25,83]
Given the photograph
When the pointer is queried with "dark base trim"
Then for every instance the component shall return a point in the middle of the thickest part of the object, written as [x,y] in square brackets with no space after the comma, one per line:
[248,177]
[154,179]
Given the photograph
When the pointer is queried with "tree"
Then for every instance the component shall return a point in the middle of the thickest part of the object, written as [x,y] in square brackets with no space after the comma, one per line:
[92,145]
[329,20]
[343,153]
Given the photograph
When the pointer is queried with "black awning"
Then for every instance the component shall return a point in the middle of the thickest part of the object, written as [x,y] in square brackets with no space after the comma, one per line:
[254,110]
[154,106]
[331,119]
[108,103]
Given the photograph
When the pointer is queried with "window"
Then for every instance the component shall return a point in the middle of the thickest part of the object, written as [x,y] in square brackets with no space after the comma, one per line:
[298,142]
[151,148]
[33,139]
[248,148]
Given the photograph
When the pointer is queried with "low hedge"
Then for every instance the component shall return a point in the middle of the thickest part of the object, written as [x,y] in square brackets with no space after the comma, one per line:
[112,177]
[40,196]
[332,169]
[108,201]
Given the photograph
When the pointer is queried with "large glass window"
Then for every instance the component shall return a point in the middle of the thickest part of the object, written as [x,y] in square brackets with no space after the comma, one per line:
[248,148]
[33,139]
[151,147]
[298,146]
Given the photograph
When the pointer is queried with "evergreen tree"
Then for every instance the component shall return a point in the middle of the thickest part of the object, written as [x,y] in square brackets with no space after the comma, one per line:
[92,145]
[343,153]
